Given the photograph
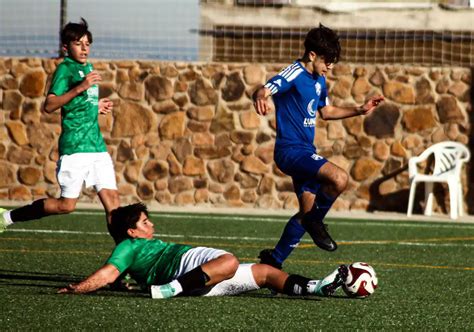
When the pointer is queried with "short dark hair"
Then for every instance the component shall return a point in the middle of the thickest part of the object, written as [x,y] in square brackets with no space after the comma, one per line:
[74,31]
[324,42]
[124,218]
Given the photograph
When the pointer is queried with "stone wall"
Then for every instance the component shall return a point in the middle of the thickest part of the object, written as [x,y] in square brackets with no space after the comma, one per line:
[187,134]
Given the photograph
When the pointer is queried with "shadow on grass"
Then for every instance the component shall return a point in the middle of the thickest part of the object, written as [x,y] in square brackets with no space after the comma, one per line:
[279,297]
[13,278]
[38,276]
[46,280]
[291,298]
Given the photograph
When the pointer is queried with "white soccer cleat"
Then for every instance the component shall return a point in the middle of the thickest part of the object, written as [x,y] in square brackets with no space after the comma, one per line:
[331,283]
[162,291]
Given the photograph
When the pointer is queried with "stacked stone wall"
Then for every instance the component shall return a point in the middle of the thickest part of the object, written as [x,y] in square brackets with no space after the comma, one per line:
[187,134]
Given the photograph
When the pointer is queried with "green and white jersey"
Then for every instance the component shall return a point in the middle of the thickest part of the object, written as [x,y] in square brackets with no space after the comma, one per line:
[79,118]
[149,262]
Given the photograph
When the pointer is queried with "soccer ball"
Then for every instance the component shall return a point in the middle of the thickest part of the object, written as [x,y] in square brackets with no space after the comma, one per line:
[361,280]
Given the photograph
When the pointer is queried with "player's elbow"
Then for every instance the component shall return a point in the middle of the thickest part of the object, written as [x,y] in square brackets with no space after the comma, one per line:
[108,274]
[324,113]
[50,103]
[47,107]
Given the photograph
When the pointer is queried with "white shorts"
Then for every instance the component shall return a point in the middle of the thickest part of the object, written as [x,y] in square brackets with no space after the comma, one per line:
[195,257]
[242,281]
[95,169]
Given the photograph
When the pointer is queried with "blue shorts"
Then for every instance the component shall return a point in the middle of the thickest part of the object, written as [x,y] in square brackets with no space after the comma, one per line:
[302,164]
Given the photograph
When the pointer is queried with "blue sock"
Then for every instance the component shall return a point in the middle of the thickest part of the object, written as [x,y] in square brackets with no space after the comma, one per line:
[321,206]
[289,240]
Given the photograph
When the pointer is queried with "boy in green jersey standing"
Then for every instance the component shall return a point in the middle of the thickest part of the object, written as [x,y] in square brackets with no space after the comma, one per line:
[83,154]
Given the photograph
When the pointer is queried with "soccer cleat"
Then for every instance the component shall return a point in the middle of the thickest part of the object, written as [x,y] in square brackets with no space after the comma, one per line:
[3,222]
[331,283]
[162,291]
[318,232]
[266,257]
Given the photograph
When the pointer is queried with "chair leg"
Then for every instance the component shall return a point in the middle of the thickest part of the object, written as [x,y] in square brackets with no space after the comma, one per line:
[428,198]
[411,198]
[453,199]
[460,200]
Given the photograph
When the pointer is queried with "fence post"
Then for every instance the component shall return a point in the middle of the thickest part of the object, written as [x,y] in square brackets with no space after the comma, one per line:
[62,22]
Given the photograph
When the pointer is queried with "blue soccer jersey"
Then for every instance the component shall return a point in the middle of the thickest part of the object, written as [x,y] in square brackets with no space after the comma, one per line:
[297,95]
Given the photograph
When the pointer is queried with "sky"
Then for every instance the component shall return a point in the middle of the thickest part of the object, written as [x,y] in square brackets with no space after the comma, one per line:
[118,26]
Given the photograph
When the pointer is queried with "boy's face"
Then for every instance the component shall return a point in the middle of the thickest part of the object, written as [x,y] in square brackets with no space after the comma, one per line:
[320,66]
[79,49]
[144,228]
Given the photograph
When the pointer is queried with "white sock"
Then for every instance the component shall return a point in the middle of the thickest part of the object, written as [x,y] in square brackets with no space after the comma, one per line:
[177,286]
[242,281]
[313,286]
[7,217]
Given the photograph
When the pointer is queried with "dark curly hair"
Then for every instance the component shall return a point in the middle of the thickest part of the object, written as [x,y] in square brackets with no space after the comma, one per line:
[74,31]
[124,218]
[324,42]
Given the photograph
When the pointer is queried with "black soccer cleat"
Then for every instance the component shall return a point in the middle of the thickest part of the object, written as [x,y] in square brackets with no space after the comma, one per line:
[266,257]
[318,232]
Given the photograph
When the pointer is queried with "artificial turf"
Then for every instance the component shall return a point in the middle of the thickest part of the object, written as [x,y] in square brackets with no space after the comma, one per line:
[425,273]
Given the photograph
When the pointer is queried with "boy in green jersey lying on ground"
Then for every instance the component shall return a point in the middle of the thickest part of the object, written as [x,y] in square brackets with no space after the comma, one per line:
[169,269]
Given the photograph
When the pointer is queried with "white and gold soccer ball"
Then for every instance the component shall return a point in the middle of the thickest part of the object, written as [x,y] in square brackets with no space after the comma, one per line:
[361,280]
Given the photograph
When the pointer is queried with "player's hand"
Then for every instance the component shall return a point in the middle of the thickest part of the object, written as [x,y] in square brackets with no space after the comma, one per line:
[69,289]
[260,100]
[371,104]
[261,106]
[91,79]
[105,106]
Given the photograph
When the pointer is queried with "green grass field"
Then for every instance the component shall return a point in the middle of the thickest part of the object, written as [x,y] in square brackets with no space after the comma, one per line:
[425,271]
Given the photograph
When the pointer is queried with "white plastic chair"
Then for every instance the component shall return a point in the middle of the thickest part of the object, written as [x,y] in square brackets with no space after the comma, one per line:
[449,158]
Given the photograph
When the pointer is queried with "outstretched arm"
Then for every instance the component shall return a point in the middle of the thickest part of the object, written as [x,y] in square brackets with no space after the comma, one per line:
[260,100]
[334,113]
[107,274]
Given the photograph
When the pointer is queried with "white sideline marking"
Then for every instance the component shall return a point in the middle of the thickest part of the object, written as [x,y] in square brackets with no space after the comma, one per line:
[49,231]
[245,238]
[427,244]
[389,223]
[54,231]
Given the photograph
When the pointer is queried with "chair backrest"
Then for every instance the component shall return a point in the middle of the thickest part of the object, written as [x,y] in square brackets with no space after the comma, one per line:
[449,156]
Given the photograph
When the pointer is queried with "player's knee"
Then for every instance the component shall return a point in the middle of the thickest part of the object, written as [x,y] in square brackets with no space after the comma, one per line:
[115,199]
[230,265]
[267,271]
[340,182]
[66,207]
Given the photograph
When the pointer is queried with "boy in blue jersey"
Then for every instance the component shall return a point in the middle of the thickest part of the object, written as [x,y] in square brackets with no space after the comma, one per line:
[299,92]
[169,269]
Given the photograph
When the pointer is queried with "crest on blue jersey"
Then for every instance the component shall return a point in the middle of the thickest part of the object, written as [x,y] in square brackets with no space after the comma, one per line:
[317,86]
[309,108]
